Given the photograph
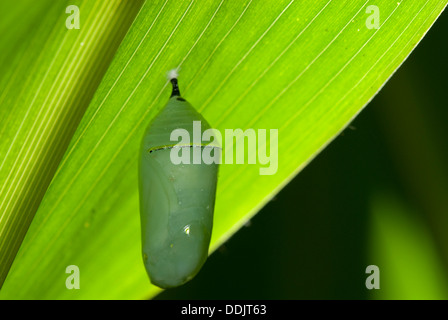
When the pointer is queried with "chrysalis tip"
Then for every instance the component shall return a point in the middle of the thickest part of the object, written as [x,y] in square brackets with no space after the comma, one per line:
[173,74]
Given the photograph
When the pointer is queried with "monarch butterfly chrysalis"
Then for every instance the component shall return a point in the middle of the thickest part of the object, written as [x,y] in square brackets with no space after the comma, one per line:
[176,200]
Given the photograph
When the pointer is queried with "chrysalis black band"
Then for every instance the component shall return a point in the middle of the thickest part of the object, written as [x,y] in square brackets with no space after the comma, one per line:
[175,88]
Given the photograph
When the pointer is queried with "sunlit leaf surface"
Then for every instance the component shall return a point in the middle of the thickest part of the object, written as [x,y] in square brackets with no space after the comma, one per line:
[305,68]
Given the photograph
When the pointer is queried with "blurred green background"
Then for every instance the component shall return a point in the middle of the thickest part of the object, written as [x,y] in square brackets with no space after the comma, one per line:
[377,195]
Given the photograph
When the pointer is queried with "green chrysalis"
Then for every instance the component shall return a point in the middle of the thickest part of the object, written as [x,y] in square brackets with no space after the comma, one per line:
[176,200]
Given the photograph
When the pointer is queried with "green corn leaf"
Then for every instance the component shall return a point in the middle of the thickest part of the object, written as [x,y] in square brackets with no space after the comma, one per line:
[49,75]
[305,68]
[402,245]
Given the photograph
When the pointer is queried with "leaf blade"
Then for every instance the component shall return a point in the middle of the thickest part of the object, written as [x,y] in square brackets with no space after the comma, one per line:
[93,199]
